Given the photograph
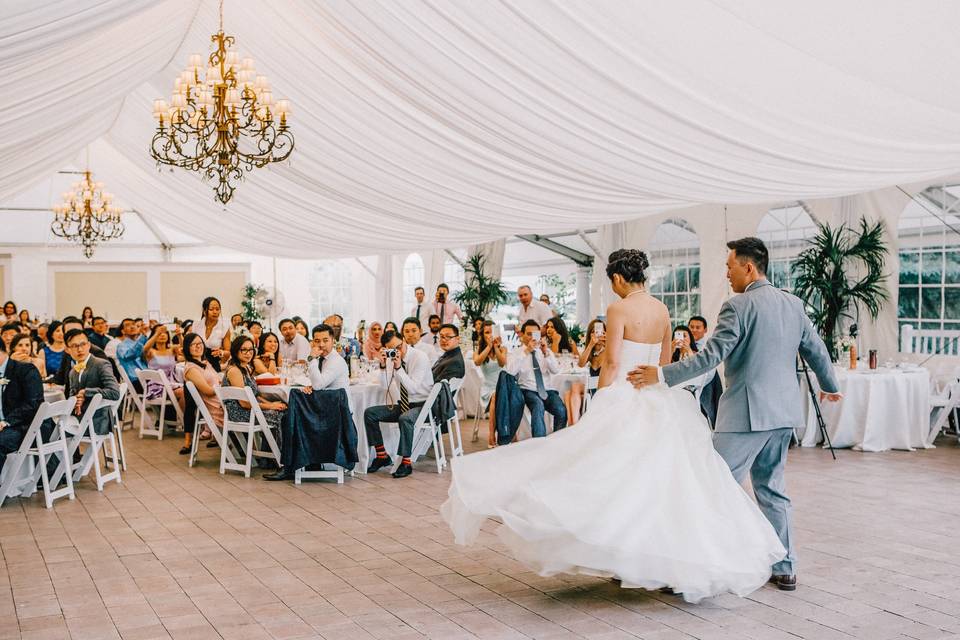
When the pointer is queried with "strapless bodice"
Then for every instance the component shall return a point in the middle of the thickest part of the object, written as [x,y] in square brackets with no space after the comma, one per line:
[633,354]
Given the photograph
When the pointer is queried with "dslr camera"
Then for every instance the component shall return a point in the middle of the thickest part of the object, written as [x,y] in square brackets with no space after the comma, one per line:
[391,353]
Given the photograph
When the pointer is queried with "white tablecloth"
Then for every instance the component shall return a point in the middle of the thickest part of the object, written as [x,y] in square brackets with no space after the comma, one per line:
[881,409]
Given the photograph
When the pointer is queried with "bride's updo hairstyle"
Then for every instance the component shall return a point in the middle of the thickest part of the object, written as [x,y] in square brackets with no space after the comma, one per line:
[629,263]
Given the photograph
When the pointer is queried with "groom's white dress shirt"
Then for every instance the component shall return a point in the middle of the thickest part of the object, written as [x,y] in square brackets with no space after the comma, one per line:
[520,366]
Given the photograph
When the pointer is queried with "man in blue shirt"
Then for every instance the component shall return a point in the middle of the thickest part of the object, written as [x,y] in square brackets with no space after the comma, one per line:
[130,351]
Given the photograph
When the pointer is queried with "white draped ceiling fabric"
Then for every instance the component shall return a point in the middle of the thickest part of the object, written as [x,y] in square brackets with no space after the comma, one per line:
[431,123]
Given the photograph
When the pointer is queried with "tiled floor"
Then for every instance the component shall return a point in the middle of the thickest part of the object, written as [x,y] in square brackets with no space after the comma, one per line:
[186,553]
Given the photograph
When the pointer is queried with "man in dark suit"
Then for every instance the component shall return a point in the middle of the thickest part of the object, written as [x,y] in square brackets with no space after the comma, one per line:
[21,394]
[450,364]
[88,377]
[62,375]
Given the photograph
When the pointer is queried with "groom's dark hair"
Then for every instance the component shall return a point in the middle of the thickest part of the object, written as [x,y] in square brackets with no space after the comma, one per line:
[753,250]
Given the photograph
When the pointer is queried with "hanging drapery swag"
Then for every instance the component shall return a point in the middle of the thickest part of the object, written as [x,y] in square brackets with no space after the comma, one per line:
[223,121]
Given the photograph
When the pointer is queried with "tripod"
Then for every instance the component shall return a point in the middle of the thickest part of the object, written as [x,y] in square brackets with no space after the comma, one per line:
[816,406]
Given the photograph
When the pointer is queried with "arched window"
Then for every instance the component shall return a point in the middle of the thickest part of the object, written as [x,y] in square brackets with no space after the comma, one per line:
[785,231]
[331,291]
[929,294]
[453,275]
[675,269]
[412,278]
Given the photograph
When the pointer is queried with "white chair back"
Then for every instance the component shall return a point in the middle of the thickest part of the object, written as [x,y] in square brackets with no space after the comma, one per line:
[203,418]
[256,423]
[453,424]
[132,399]
[153,379]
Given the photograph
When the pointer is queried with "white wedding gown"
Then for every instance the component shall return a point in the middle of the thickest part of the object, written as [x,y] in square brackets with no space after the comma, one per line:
[634,490]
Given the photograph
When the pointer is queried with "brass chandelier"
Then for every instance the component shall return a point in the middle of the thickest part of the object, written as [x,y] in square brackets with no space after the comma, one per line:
[222,120]
[87,215]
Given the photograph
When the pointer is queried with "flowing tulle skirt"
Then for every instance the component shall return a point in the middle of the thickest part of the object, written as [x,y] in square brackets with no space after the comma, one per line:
[635,491]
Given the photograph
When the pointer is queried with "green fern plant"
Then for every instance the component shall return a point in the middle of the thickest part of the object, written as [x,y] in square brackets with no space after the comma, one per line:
[825,276]
[481,293]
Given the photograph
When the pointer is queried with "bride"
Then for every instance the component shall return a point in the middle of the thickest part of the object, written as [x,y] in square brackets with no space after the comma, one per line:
[635,490]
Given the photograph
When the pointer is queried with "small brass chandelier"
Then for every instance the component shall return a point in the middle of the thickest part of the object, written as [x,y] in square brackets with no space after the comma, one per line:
[221,121]
[87,215]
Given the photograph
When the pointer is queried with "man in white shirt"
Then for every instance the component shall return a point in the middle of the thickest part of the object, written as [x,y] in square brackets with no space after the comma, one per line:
[432,337]
[422,310]
[326,367]
[533,365]
[411,335]
[408,380]
[531,309]
[443,306]
[293,347]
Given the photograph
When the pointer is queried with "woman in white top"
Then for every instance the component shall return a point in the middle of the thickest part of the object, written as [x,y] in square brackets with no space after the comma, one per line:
[215,332]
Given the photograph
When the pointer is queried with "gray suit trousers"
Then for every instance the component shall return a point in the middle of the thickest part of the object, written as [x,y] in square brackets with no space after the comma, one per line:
[763,454]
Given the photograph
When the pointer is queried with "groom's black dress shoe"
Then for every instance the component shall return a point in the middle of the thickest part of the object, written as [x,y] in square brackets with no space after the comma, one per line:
[785,583]
[379,463]
[282,474]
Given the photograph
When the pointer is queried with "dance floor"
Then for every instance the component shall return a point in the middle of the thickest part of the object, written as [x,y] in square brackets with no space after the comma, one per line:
[175,552]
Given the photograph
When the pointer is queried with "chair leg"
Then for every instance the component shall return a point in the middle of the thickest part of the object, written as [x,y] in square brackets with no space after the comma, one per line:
[42,461]
[193,445]
[223,449]
[249,462]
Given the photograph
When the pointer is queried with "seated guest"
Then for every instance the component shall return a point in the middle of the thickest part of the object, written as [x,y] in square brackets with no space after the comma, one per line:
[88,377]
[371,346]
[98,333]
[9,312]
[592,357]
[53,349]
[684,347]
[239,373]
[477,329]
[86,318]
[408,380]
[558,337]
[293,347]
[236,320]
[491,356]
[158,352]
[391,326]
[215,331]
[25,318]
[130,351]
[450,364]
[256,331]
[346,345]
[21,396]
[205,378]
[532,365]
[431,337]
[62,375]
[21,350]
[411,335]
[327,368]
[302,327]
[268,358]
[40,337]
[7,333]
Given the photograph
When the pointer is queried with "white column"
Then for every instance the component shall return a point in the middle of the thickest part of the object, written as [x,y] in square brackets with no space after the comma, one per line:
[583,296]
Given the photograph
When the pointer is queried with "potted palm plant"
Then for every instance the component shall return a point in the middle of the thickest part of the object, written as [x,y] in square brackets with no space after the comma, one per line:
[481,293]
[840,273]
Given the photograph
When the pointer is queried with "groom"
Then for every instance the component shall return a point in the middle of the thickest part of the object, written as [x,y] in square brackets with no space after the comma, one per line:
[758,336]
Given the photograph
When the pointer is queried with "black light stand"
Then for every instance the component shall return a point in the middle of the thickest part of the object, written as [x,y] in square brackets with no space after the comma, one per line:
[816,406]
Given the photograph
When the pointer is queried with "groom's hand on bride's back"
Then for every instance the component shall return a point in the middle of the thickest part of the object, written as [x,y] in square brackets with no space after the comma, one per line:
[644,376]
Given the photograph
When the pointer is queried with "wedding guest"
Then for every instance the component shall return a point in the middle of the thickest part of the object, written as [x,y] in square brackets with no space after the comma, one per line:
[9,311]
[412,336]
[86,317]
[268,358]
[43,330]
[7,332]
[408,381]
[302,327]
[444,307]
[698,328]
[236,320]
[346,346]
[88,377]
[593,354]
[98,332]
[558,337]
[216,332]
[684,347]
[198,370]
[130,351]
[25,319]
[422,310]
[491,356]
[327,368]
[239,373]
[477,329]
[21,350]
[450,364]
[431,337]
[159,355]
[390,325]
[22,395]
[371,346]
[256,332]
[62,375]
[532,365]
[531,309]
[294,348]
[53,349]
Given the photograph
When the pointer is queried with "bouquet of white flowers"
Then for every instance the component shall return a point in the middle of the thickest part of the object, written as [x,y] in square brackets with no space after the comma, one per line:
[846,343]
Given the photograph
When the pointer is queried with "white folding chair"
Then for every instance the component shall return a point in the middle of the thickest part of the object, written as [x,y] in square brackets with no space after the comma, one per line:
[23,467]
[453,424]
[426,432]
[115,408]
[132,402]
[82,432]
[204,419]
[943,404]
[256,423]
[592,384]
[166,397]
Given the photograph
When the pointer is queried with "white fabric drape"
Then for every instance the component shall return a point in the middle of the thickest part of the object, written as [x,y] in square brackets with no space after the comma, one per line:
[448,124]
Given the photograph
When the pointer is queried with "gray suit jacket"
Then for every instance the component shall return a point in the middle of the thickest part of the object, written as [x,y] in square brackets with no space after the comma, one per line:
[758,336]
[97,378]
